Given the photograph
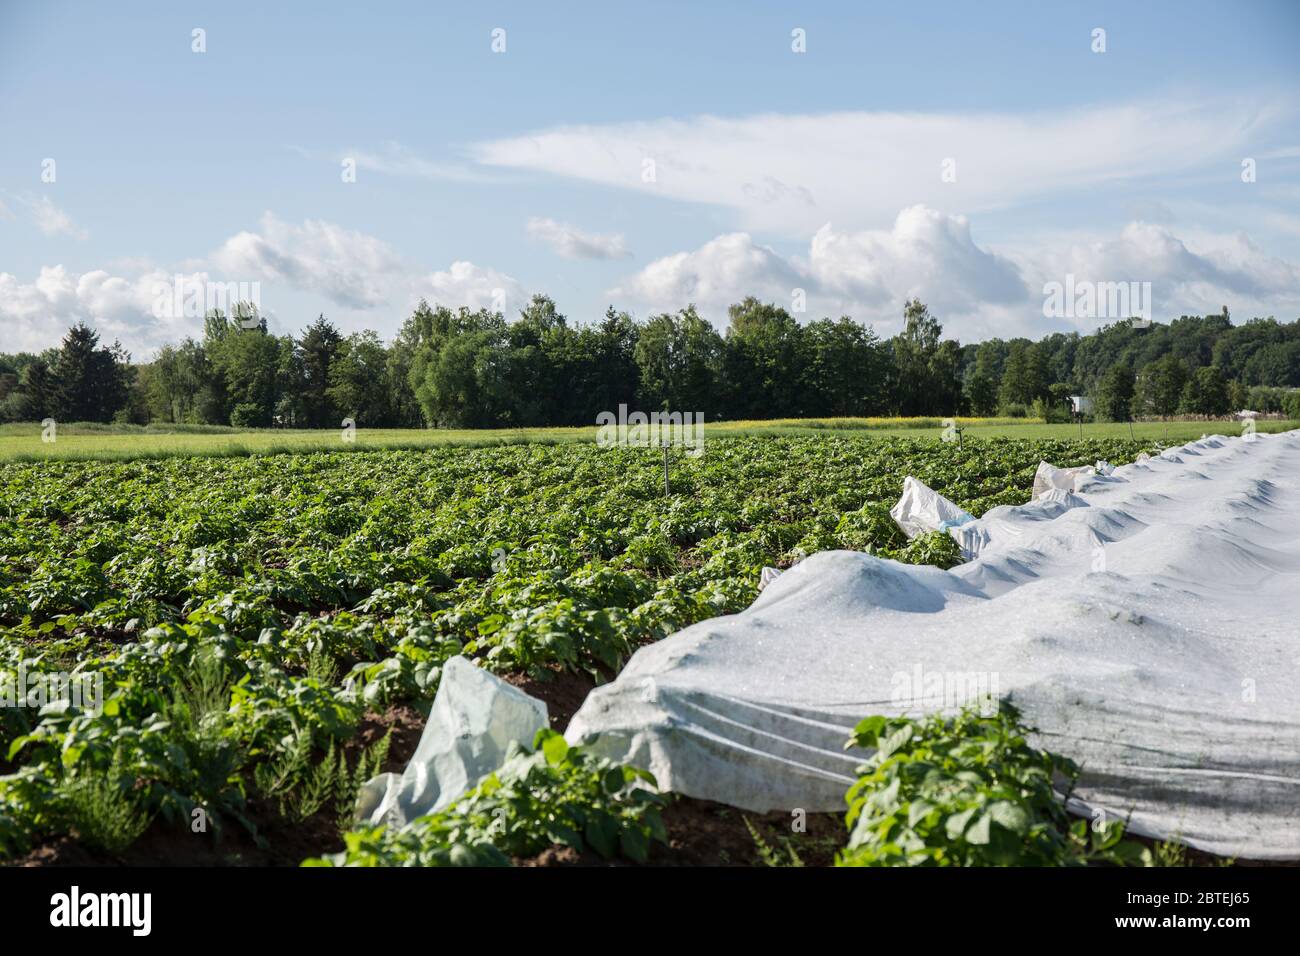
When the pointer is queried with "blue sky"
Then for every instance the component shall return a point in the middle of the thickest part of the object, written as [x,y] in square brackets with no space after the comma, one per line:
[482,173]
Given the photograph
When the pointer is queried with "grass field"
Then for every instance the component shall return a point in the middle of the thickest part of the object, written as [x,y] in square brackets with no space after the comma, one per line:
[23,442]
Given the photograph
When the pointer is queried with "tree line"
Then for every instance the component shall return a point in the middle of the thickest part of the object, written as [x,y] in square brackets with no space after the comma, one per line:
[475,369]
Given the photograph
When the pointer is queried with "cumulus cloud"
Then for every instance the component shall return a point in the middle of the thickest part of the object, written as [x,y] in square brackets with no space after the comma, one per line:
[977,291]
[132,308]
[350,268]
[722,270]
[475,287]
[925,253]
[572,243]
[146,306]
[789,173]
[1187,275]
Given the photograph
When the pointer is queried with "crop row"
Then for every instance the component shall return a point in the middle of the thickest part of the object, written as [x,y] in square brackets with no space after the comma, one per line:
[239,612]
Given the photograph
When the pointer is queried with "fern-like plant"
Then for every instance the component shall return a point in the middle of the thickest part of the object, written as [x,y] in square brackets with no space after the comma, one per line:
[104,810]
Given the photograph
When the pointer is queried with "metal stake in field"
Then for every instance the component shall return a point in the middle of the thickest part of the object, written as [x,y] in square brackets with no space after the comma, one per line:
[667,490]
[1080,405]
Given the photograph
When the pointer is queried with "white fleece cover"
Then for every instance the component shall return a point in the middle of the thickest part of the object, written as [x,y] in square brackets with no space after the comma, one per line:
[1148,626]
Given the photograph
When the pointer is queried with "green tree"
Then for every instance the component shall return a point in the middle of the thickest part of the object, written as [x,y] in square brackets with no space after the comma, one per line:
[317,348]
[460,368]
[34,394]
[1024,375]
[399,367]
[981,394]
[1291,405]
[246,360]
[540,362]
[914,349]
[763,361]
[176,379]
[1160,385]
[846,371]
[990,357]
[1206,393]
[927,376]
[945,379]
[1114,397]
[1239,396]
[90,382]
[466,387]
[359,386]
[607,374]
[678,358]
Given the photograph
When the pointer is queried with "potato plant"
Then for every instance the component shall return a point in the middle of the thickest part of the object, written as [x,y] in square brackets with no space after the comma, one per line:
[551,794]
[968,790]
[239,609]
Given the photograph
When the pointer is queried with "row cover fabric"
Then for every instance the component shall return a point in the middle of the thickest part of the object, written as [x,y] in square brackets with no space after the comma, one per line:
[921,509]
[1050,478]
[1144,622]
[474,720]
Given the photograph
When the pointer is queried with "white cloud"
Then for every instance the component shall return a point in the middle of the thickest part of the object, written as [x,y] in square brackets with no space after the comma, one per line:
[870,273]
[47,217]
[721,271]
[350,268]
[925,254]
[136,301]
[394,159]
[572,243]
[35,314]
[1194,273]
[788,174]
[1285,152]
[976,291]
[53,221]
[475,287]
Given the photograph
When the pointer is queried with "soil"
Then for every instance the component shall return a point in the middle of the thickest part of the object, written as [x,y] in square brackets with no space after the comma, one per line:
[404,722]
[701,833]
[166,844]
[562,691]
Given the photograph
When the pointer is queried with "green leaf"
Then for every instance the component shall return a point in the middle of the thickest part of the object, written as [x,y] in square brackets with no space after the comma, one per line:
[918,811]
[868,732]
[955,825]
[18,744]
[1007,814]
[635,845]
[602,834]
[896,739]
[556,749]
[978,832]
